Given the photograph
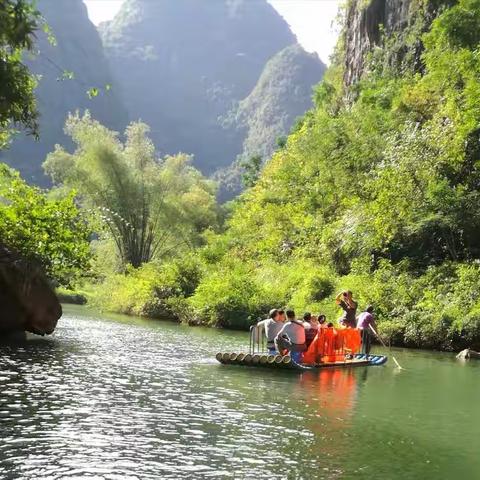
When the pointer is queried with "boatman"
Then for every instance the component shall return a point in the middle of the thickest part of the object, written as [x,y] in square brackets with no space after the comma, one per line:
[292,337]
[272,325]
[365,321]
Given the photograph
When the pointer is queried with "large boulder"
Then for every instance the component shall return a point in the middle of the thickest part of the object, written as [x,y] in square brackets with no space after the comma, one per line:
[467,353]
[28,302]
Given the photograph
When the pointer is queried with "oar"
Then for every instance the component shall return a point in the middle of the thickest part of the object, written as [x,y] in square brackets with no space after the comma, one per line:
[383,343]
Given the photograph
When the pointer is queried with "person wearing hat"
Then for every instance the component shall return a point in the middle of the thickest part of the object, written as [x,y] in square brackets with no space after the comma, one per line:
[272,325]
[349,306]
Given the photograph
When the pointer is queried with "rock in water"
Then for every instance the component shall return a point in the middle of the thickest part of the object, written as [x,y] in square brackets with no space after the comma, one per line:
[28,302]
[467,354]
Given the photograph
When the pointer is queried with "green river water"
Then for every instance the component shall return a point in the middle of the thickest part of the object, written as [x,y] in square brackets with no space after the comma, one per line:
[110,397]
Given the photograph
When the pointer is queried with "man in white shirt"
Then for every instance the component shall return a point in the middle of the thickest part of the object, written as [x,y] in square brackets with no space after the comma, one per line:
[292,337]
[272,326]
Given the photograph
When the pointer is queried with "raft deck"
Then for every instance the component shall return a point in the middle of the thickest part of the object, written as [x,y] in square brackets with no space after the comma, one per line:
[286,362]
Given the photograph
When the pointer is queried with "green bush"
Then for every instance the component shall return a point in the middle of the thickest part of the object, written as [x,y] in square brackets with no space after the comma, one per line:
[226,298]
[469,334]
[151,291]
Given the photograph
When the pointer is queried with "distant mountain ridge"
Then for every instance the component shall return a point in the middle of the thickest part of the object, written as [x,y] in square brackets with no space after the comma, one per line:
[196,60]
[77,50]
[283,93]
[216,79]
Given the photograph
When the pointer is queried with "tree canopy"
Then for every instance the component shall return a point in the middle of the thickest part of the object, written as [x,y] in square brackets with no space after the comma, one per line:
[45,230]
[149,207]
[18,22]
[376,190]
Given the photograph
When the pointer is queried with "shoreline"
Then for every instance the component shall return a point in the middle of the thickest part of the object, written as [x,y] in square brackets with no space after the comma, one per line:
[173,321]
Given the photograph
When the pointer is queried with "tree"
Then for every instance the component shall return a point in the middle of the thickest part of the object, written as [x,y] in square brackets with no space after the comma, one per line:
[251,170]
[149,207]
[51,232]
[18,22]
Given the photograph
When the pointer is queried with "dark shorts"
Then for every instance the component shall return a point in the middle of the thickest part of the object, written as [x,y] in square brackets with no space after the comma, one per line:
[366,340]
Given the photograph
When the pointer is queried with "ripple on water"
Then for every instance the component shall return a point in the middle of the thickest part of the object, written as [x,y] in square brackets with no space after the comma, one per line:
[137,400]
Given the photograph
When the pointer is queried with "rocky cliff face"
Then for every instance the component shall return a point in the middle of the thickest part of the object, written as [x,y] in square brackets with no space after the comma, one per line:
[283,93]
[78,50]
[183,64]
[28,302]
[368,23]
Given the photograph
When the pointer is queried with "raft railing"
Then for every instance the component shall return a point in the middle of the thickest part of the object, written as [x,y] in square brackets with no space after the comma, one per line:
[257,340]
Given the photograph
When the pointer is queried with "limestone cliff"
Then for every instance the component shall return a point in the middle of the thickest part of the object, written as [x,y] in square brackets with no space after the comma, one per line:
[369,23]
[183,64]
[77,50]
[283,92]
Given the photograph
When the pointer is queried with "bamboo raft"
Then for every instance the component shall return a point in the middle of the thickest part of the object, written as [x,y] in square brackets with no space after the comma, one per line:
[338,355]
[286,362]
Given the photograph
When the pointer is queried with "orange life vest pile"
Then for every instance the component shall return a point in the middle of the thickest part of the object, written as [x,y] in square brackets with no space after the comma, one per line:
[331,345]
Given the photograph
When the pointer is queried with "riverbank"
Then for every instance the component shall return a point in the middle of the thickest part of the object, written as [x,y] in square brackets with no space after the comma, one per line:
[437,309]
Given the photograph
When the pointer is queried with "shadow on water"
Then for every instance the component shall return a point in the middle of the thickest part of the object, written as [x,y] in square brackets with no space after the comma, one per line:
[12,338]
[28,347]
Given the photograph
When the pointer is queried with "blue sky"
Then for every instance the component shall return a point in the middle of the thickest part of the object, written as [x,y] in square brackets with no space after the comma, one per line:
[311,20]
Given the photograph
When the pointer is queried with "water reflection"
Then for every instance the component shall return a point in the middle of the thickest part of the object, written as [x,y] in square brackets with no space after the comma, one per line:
[333,391]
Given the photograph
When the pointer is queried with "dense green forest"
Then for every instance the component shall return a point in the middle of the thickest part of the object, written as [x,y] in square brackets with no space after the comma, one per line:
[375,190]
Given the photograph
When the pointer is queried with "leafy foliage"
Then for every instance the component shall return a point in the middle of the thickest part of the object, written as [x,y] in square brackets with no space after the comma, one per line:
[153,290]
[378,195]
[149,208]
[18,22]
[251,170]
[50,231]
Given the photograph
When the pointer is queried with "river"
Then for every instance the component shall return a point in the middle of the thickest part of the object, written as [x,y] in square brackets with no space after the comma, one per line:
[111,397]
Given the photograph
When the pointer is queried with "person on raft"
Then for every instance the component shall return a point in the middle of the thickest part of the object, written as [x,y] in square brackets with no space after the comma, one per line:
[322,321]
[272,325]
[365,321]
[311,327]
[292,337]
[349,305]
